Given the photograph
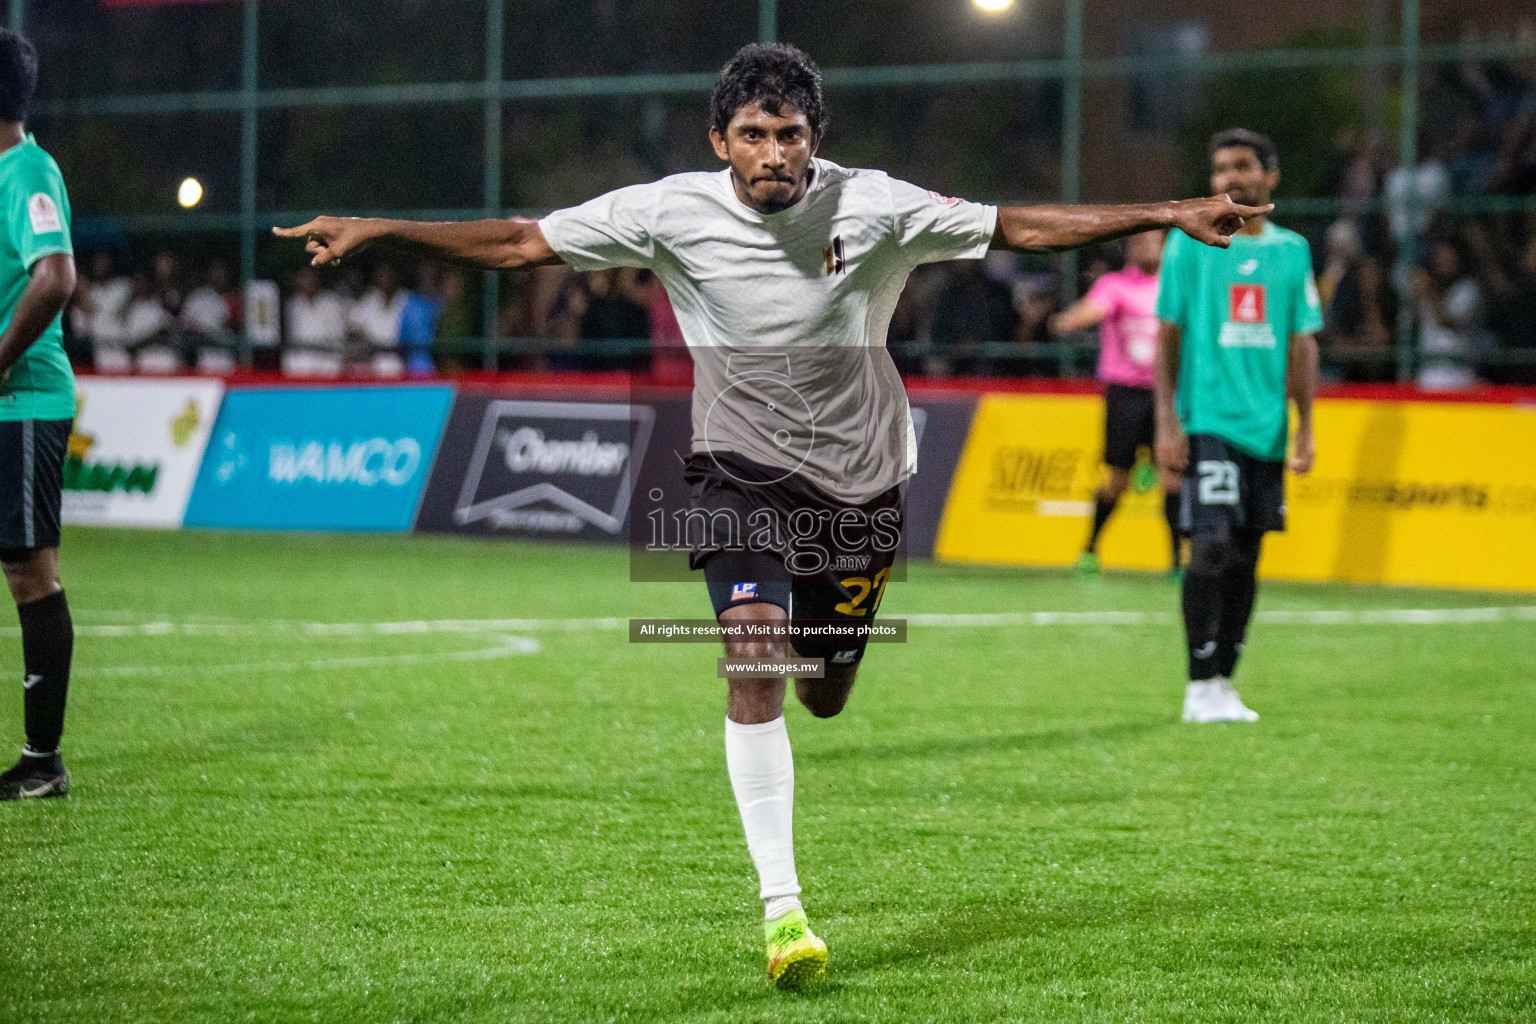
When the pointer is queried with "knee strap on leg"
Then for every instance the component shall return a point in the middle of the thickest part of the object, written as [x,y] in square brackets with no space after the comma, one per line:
[1217,554]
[1244,553]
[1210,553]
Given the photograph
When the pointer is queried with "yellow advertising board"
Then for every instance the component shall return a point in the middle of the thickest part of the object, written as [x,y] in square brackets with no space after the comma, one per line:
[1406,492]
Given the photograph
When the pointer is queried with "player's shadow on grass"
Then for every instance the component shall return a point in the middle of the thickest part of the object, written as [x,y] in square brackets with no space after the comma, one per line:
[967,926]
[1023,742]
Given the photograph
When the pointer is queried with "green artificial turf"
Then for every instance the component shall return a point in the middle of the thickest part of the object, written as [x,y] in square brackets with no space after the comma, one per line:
[273,823]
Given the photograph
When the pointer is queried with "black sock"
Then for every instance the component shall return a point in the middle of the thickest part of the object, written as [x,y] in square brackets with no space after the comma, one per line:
[47,642]
[1175,533]
[1202,608]
[1239,586]
[1103,508]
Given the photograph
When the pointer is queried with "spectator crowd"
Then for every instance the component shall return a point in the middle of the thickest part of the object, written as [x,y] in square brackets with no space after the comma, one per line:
[162,319]
[151,322]
[1434,242]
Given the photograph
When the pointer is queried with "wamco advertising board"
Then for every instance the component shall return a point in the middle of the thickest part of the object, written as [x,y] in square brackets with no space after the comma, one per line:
[324,458]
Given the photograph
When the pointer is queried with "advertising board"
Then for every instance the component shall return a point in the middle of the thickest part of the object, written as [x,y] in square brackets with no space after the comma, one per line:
[560,469]
[320,458]
[1404,492]
[136,448]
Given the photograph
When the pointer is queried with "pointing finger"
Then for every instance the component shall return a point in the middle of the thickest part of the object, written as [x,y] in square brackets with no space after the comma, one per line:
[1246,212]
[298,232]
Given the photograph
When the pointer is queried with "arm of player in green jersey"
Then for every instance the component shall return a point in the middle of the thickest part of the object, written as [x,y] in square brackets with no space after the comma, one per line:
[1170,445]
[1301,384]
[1054,228]
[44,298]
[484,244]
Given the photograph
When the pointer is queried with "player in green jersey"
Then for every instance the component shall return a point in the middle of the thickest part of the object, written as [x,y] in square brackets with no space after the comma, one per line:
[37,408]
[1237,337]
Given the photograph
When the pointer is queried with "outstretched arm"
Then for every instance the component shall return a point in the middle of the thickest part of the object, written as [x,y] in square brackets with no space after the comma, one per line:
[1055,228]
[1081,315]
[486,244]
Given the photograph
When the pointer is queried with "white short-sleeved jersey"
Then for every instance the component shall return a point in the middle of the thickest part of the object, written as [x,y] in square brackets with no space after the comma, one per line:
[786,314]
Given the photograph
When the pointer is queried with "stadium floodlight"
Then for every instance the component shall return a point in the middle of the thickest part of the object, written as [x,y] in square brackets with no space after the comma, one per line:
[993,6]
[190,193]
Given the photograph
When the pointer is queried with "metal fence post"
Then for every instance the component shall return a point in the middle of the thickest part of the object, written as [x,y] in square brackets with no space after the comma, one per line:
[767,21]
[248,112]
[1377,20]
[1408,160]
[1071,148]
[495,33]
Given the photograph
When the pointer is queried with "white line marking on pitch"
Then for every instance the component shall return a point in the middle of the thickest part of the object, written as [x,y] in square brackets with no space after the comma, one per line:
[507,647]
[1279,617]
[1363,617]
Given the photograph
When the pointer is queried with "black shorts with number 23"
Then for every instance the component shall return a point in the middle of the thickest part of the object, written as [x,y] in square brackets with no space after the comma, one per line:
[1227,490]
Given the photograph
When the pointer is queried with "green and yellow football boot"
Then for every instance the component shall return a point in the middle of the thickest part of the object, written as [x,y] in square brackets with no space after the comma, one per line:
[796,958]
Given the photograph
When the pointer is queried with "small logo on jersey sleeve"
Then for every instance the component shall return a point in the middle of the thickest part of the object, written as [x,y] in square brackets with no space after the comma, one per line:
[832,255]
[944,200]
[44,214]
[743,591]
[1247,304]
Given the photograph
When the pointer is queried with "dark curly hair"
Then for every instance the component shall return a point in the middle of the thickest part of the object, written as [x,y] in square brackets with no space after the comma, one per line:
[18,75]
[1263,147]
[772,74]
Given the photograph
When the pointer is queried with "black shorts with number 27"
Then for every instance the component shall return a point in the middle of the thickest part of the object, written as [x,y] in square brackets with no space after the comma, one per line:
[834,567]
[1228,490]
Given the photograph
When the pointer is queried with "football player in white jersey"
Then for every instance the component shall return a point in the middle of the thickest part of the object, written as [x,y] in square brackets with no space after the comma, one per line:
[784,270]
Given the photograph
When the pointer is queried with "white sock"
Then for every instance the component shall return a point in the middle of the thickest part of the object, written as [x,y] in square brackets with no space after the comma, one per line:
[762,773]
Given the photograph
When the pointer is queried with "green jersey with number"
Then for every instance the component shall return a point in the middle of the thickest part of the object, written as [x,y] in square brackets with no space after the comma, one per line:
[41,385]
[1237,309]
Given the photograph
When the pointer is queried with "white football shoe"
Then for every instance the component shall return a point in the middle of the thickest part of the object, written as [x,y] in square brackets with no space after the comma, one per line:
[1214,700]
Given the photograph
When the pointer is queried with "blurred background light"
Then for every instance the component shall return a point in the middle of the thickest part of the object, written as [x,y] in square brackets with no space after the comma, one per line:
[190,193]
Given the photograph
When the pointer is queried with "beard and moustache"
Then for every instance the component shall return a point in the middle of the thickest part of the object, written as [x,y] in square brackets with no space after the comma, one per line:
[775,204]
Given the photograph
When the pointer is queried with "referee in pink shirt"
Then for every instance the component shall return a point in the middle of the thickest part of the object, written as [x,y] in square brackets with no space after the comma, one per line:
[1120,305]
